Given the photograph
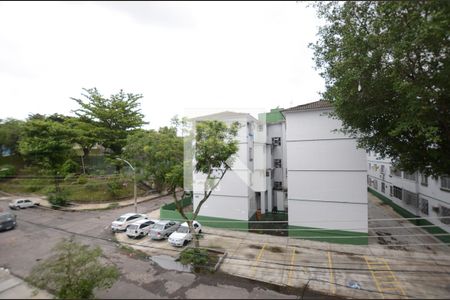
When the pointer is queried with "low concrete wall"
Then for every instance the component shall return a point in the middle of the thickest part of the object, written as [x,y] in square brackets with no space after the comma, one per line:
[169,212]
[329,236]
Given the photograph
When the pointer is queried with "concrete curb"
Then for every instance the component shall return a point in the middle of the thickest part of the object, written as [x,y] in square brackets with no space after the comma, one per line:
[15,287]
[106,205]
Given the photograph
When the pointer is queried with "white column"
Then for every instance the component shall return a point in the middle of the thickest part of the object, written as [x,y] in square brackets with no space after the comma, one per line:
[263,202]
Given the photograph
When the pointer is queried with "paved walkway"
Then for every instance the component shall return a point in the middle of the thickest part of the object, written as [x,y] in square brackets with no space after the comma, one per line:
[12,287]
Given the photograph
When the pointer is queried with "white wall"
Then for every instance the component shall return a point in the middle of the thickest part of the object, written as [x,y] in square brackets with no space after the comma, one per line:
[231,197]
[223,207]
[312,125]
[328,186]
[328,215]
[326,174]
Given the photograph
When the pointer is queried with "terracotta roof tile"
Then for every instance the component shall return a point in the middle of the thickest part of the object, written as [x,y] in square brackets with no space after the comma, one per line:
[318,105]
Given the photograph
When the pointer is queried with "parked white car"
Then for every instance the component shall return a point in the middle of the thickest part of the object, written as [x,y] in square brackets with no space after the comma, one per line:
[22,203]
[140,228]
[122,222]
[183,236]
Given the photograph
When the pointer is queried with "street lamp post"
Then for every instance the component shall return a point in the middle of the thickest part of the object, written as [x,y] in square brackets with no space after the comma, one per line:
[134,177]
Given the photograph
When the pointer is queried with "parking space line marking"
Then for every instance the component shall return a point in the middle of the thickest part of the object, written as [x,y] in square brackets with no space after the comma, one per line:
[255,263]
[385,280]
[330,266]
[292,266]
[399,285]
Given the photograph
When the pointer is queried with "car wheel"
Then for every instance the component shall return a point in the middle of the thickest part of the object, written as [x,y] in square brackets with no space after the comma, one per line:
[185,242]
[200,231]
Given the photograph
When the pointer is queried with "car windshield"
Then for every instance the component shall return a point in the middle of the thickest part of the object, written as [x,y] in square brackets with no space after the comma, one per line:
[132,227]
[158,227]
[5,217]
[120,219]
[183,229]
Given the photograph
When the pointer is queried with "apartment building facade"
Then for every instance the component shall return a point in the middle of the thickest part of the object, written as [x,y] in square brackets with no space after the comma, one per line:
[293,162]
[423,196]
[326,176]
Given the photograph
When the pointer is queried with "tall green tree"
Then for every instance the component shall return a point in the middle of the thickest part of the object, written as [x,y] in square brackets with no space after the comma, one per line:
[154,153]
[10,130]
[46,143]
[214,147]
[116,117]
[85,134]
[74,271]
[387,67]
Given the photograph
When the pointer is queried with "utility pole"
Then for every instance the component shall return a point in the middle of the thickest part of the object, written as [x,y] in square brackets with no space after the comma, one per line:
[134,179]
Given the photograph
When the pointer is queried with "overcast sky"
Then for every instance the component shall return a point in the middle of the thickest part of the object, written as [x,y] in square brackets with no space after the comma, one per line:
[185,58]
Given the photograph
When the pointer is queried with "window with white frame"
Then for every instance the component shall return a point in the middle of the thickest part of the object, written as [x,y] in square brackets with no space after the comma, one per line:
[410,176]
[445,183]
[424,179]
[276,141]
[277,163]
[383,187]
[423,206]
[375,184]
[395,172]
[277,185]
[397,192]
[250,154]
[444,213]
[410,198]
[382,169]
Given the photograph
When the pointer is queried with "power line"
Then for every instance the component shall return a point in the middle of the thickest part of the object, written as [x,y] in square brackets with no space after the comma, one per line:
[283,264]
[342,236]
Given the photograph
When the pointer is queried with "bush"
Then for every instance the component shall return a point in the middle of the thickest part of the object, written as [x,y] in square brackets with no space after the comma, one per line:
[50,189]
[7,171]
[114,188]
[69,166]
[58,200]
[198,258]
[73,271]
[92,186]
[69,177]
[82,179]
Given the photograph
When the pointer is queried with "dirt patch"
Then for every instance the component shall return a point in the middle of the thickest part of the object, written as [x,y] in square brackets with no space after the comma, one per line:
[249,255]
[255,246]
[275,249]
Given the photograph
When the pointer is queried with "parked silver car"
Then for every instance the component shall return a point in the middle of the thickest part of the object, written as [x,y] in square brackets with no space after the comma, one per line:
[140,228]
[22,203]
[163,229]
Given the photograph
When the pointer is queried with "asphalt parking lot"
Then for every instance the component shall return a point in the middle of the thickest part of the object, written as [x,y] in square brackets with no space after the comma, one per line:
[39,229]
[380,270]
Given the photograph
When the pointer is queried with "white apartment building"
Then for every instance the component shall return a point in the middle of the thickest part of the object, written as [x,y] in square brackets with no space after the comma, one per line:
[422,196]
[293,162]
[326,172]
[234,197]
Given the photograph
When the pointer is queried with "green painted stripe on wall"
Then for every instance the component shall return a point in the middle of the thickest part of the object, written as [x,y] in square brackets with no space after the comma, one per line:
[406,214]
[169,212]
[329,235]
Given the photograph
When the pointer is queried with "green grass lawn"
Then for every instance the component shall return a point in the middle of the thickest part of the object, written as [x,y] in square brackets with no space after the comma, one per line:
[91,189]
